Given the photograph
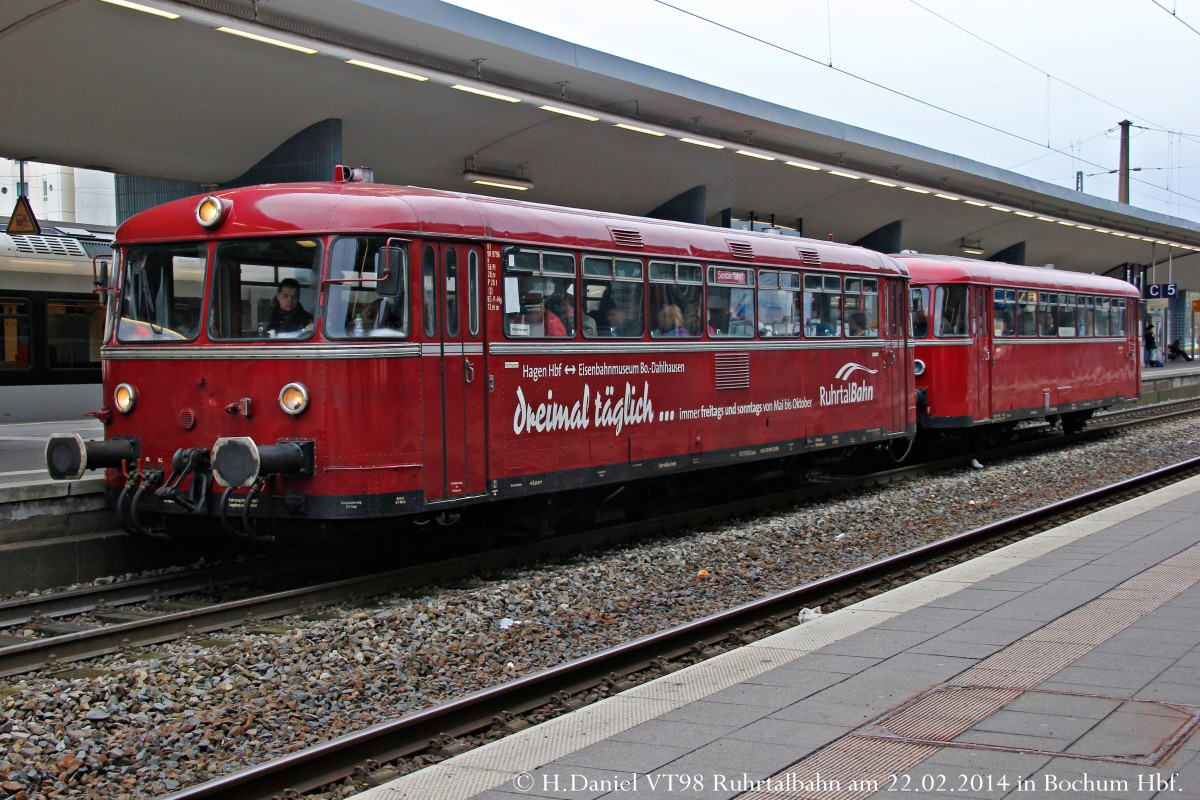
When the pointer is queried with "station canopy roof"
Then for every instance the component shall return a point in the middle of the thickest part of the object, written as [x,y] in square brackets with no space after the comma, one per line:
[92,84]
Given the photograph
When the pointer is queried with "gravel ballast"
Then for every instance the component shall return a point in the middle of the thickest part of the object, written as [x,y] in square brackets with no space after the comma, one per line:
[143,725]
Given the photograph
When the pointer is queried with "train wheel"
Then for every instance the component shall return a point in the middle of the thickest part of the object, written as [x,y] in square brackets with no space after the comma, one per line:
[994,435]
[1075,421]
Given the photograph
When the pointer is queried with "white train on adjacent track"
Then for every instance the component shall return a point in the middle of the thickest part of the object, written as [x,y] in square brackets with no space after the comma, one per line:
[51,322]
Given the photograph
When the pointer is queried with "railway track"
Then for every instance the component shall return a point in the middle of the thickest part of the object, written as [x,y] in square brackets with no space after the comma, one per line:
[374,755]
[91,623]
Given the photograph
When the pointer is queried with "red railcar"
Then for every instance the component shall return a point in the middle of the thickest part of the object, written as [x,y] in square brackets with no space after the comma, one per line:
[465,349]
[996,343]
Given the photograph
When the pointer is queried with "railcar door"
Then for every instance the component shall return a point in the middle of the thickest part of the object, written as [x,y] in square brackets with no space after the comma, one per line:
[898,358]
[453,374]
[983,350]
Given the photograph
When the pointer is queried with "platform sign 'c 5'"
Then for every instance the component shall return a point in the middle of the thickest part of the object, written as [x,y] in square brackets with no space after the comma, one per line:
[22,220]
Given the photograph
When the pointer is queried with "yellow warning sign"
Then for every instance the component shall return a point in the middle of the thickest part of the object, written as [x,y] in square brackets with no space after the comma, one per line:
[22,219]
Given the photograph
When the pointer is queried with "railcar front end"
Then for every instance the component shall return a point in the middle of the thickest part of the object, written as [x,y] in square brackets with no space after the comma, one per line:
[216,410]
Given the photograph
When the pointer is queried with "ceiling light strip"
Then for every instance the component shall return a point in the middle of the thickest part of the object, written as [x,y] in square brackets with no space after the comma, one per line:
[462,87]
[566,112]
[752,154]
[143,8]
[636,129]
[702,143]
[257,37]
[412,76]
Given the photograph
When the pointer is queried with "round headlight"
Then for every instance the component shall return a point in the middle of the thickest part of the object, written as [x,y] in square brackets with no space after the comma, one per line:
[918,367]
[293,398]
[211,211]
[125,398]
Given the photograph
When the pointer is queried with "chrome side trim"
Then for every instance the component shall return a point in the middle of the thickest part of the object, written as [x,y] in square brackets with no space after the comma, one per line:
[997,341]
[452,348]
[258,353]
[694,346]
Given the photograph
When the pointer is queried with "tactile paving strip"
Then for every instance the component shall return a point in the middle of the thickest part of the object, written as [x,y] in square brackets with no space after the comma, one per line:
[947,712]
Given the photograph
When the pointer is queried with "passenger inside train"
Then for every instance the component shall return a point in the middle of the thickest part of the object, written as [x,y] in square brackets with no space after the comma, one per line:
[670,322]
[559,320]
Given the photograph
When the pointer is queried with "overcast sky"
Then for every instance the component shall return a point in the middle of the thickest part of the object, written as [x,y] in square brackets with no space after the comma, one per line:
[1033,86]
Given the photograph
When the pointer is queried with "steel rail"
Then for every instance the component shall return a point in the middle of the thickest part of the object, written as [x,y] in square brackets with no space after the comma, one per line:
[85,599]
[338,758]
[55,651]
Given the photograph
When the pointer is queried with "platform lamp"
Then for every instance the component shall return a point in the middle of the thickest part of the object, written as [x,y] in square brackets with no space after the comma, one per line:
[501,179]
[971,247]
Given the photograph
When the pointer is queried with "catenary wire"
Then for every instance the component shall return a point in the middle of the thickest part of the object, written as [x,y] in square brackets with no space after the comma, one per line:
[918,100]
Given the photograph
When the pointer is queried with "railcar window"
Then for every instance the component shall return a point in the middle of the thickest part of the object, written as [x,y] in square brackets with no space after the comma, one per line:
[950,311]
[1118,316]
[1066,315]
[862,307]
[612,297]
[429,289]
[73,332]
[473,286]
[161,291]
[452,310]
[15,324]
[1048,313]
[1103,318]
[352,293]
[248,281]
[1085,317]
[1004,309]
[730,302]
[675,299]
[1026,312]
[822,305]
[539,294]
[918,312]
[780,303]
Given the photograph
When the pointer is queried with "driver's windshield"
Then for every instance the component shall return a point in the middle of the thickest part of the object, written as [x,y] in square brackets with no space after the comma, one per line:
[265,289]
[161,289]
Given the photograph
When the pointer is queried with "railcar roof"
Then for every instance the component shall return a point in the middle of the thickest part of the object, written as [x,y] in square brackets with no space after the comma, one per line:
[954,269]
[335,207]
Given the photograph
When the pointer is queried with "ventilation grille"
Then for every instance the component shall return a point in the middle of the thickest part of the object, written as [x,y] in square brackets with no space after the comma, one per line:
[733,370]
[810,258]
[48,245]
[626,237]
[97,248]
[740,249]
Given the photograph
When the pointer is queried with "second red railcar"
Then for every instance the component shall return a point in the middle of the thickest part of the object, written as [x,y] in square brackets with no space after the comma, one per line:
[996,343]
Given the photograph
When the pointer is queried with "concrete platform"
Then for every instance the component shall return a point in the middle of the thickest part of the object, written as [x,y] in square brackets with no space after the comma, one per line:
[1066,666]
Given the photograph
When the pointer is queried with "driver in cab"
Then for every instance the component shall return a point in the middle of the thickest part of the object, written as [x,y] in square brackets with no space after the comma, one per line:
[287,314]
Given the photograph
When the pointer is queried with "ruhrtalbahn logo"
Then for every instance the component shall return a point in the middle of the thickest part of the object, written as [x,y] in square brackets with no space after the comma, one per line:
[849,392]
